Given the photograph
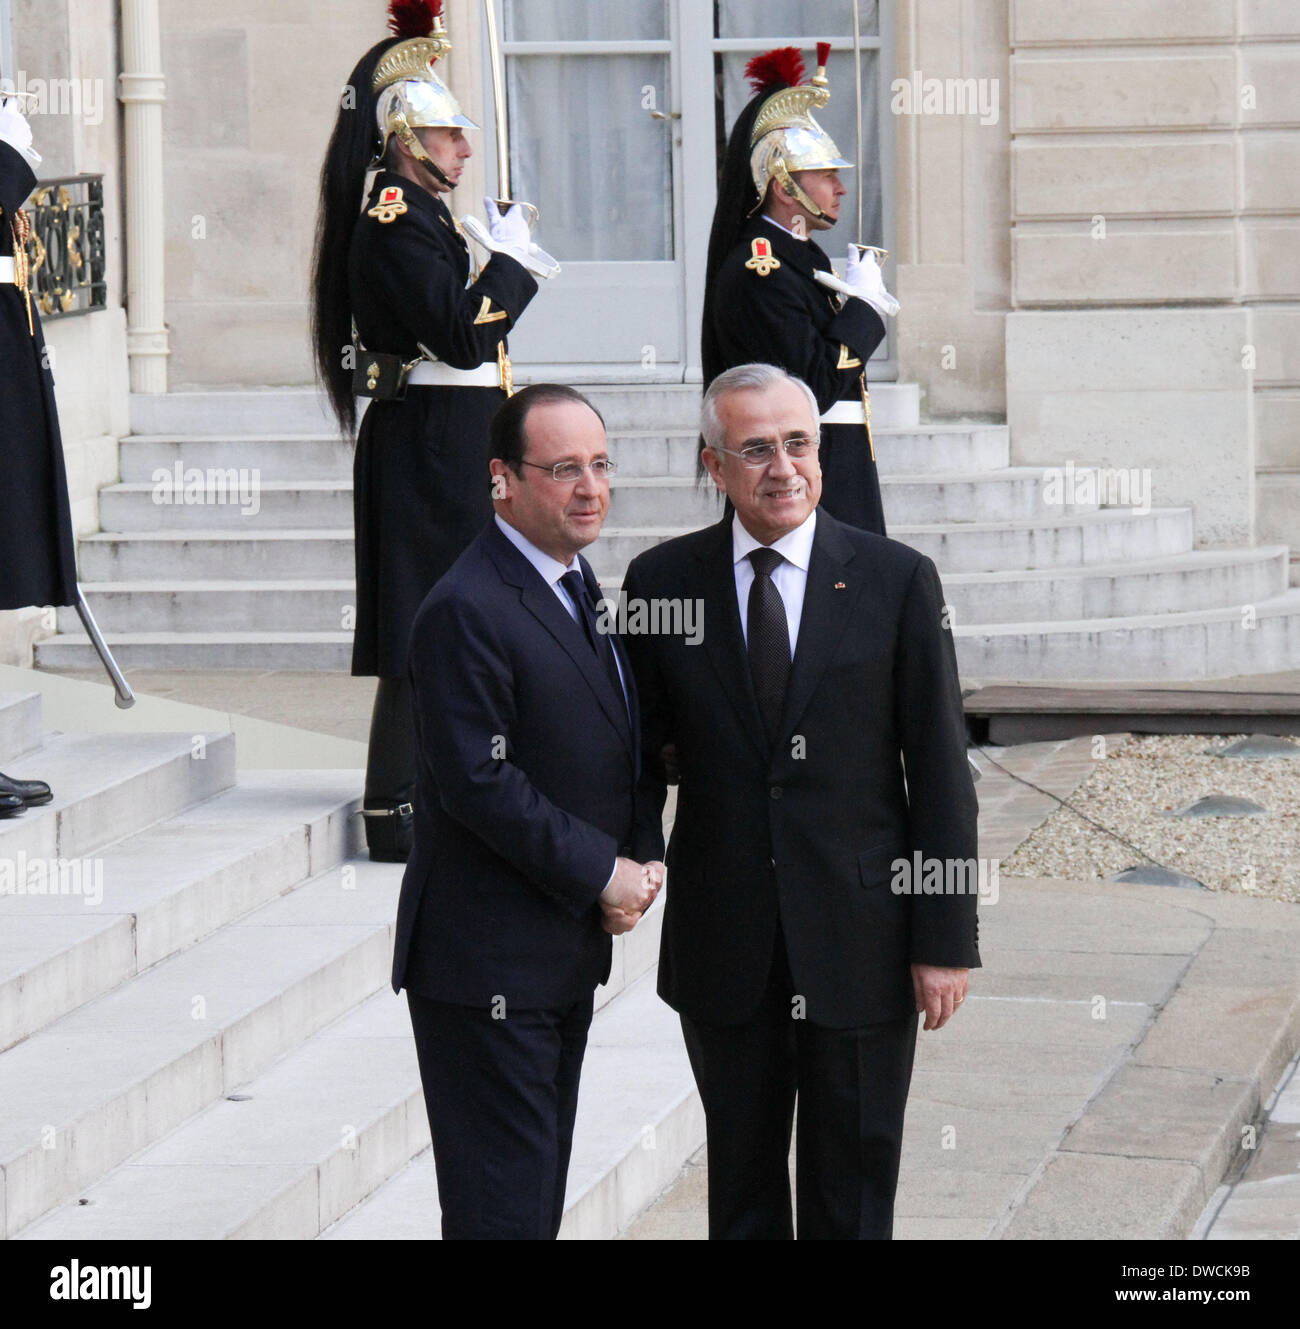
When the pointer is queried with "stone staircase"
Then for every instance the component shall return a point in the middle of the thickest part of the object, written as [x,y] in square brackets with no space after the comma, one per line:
[197,1037]
[1038,590]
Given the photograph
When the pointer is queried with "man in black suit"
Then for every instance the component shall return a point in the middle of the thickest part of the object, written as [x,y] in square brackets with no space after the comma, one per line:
[820,743]
[525,851]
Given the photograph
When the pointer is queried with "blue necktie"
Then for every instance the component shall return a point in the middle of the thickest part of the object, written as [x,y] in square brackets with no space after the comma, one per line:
[576,585]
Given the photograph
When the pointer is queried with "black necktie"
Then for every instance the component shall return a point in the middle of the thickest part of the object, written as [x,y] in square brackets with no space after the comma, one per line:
[574,583]
[768,640]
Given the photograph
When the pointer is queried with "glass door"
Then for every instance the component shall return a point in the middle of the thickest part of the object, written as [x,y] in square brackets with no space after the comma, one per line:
[595,138]
[619,114]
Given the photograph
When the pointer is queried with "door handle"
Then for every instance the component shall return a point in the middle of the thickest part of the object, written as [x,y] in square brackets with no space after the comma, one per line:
[671,115]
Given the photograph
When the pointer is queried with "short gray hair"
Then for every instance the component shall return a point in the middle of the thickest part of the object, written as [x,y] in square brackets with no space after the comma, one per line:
[745,378]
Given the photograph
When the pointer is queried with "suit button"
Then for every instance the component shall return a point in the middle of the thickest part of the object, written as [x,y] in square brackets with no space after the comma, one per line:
[776,791]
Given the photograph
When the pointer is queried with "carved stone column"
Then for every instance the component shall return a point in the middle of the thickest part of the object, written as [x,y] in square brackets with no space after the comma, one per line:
[142,91]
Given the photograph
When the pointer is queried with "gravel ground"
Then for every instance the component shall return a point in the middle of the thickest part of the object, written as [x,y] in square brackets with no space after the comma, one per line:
[1141,777]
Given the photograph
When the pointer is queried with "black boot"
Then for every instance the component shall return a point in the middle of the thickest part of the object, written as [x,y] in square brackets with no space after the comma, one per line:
[389,831]
[32,792]
[10,805]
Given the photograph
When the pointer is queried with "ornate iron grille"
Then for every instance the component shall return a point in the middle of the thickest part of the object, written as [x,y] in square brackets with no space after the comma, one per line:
[66,248]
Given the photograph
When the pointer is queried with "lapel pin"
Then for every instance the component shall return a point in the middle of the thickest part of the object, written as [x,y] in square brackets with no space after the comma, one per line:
[839,586]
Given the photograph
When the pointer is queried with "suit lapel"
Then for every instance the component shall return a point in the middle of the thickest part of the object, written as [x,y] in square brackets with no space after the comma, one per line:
[541,601]
[630,707]
[724,641]
[829,602]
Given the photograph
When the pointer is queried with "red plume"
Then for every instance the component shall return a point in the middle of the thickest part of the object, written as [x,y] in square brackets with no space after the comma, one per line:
[823,54]
[413,18]
[781,68]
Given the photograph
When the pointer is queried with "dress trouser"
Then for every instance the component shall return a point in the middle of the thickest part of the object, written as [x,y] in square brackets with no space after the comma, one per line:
[501,1095]
[852,1090]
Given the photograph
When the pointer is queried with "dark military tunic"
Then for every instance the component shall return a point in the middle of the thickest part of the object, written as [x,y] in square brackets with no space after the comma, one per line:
[422,489]
[37,557]
[786,318]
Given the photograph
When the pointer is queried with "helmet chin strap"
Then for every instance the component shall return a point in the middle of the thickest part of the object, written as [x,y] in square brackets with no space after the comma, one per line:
[781,174]
[411,142]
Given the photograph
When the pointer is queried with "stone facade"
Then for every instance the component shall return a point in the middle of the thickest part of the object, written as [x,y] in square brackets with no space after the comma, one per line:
[1155,214]
[1097,222]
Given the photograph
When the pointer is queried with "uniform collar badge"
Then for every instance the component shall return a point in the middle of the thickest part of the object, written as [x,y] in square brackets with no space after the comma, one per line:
[762,260]
[391,205]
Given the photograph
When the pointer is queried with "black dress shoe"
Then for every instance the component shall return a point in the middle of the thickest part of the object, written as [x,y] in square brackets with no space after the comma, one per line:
[10,805]
[389,832]
[32,792]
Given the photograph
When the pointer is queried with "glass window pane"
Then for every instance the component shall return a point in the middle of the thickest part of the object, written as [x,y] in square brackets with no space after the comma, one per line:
[818,18]
[564,21]
[585,150]
[837,119]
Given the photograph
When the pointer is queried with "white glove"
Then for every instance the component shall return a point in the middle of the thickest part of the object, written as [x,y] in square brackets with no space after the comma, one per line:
[868,282]
[509,229]
[15,130]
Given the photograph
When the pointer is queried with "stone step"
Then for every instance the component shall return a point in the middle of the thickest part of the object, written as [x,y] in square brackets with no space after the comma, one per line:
[1109,535]
[1256,638]
[117,1075]
[1204,579]
[937,449]
[125,1071]
[123,911]
[306,1142]
[639,1120]
[20,723]
[217,555]
[247,504]
[304,410]
[919,450]
[203,650]
[108,786]
[1277,507]
[233,411]
[207,607]
[144,457]
[1013,494]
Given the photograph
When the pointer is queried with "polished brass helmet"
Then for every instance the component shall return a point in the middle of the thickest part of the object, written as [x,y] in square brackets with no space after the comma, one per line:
[409,93]
[786,138]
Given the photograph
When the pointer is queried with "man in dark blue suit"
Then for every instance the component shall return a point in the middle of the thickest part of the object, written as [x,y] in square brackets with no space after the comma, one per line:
[526,851]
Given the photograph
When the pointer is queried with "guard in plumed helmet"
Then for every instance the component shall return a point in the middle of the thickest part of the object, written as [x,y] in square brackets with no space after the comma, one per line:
[764,301]
[402,316]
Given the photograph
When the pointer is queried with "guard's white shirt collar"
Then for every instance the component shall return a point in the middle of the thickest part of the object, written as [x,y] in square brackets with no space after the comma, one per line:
[794,234]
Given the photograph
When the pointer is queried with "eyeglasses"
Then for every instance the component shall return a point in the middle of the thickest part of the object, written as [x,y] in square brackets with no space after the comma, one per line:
[761,454]
[566,472]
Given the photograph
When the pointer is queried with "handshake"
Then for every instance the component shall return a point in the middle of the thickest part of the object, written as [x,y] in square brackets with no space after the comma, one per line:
[629,894]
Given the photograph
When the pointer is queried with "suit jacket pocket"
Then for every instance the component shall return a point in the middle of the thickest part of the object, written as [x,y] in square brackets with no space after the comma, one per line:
[882,863]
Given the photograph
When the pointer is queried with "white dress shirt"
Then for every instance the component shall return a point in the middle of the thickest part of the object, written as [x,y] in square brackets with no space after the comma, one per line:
[790,577]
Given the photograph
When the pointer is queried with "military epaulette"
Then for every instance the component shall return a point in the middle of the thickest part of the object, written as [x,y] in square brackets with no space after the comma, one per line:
[761,259]
[390,207]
